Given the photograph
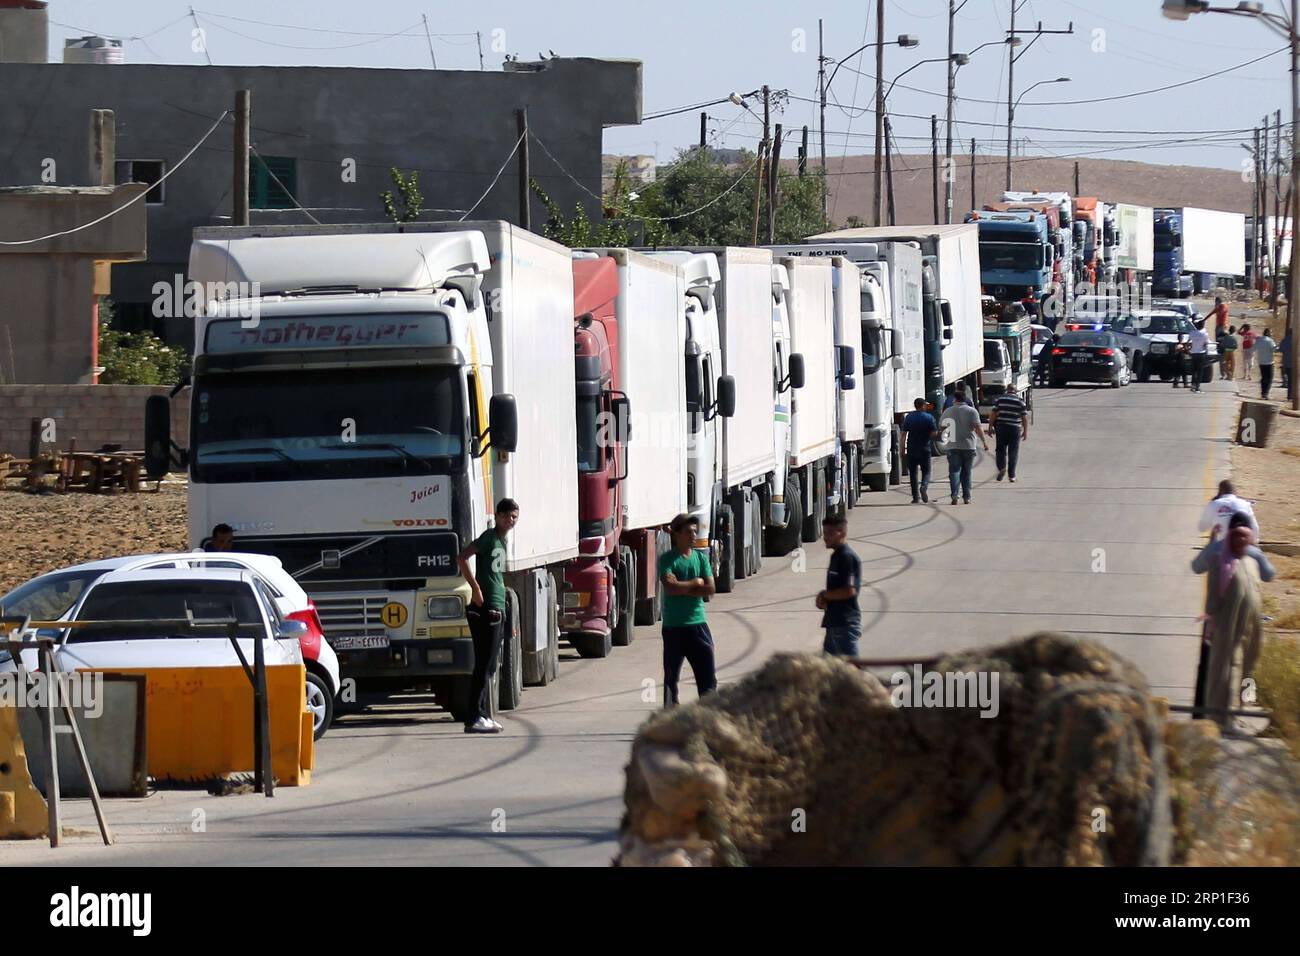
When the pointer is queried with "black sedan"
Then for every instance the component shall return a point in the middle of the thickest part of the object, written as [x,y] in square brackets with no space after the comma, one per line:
[1088,357]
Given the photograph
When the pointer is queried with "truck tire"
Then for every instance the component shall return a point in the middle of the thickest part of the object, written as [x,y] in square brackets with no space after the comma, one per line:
[744,537]
[895,464]
[511,672]
[453,694]
[727,549]
[624,632]
[1140,368]
[812,525]
[877,483]
[781,541]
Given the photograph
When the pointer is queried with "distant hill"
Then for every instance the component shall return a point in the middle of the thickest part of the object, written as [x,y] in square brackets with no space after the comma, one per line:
[1145,184]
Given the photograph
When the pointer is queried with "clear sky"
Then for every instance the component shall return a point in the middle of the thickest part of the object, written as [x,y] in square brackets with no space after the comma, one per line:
[702,51]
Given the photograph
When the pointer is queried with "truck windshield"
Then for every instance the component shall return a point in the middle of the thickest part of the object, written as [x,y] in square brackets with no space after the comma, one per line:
[992,354]
[871,351]
[694,392]
[1020,256]
[326,423]
[588,444]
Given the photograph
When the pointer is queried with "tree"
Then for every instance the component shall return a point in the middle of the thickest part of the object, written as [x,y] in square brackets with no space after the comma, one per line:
[136,358]
[410,194]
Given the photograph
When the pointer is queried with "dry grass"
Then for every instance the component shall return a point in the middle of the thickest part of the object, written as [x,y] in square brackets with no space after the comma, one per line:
[1261,829]
[1278,676]
[1292,451]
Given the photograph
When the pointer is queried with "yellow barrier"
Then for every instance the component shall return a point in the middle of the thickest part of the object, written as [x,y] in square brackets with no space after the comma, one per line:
[199,722]
[23,813]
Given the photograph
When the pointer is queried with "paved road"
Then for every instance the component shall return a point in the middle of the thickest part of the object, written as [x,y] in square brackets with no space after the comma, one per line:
[1108,476]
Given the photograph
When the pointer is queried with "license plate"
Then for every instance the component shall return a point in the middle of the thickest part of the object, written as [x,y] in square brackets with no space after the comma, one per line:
[1076,358]
[359,642]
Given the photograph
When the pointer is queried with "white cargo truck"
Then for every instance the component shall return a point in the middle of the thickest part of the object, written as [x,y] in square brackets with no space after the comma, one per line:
[813,432]
[1214,242]
[1134,241]
[850,412]
[394,382]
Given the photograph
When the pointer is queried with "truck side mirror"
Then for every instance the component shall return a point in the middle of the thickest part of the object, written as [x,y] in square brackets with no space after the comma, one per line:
[795,376]
[503,422]
[896,362]
[848,383]
[945,308]
[726,402]
[157,436]
[845,358]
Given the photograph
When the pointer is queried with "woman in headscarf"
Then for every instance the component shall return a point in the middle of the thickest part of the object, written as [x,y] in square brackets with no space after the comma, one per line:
[1235,568]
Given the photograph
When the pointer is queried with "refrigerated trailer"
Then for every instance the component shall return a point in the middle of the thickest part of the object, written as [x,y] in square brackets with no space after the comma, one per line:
[395,383]
[629,338]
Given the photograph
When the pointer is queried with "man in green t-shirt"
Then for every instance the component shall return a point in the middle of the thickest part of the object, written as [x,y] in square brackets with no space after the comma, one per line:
[687,578]
[486,612]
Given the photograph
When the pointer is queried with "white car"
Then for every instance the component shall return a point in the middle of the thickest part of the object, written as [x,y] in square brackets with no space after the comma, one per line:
[58,594]
[1150,338]
[171,597]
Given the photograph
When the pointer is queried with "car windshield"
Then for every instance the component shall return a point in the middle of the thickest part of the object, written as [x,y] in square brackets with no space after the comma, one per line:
[136,604]
[50,596]
[322,423]
[1091,340]
[1161,324]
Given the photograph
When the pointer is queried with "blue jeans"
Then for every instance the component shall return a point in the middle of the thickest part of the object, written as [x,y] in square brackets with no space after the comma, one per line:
[842,640]
[921,465]
[959,468]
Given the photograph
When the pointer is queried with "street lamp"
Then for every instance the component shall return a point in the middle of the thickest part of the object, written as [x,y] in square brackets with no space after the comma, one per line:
[905,40]
[1011,117]
[955,62]
[1283,26]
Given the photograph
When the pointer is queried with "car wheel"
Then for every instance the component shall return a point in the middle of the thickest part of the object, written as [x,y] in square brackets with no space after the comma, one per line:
[1114,382]
[320,701]
[1058,382]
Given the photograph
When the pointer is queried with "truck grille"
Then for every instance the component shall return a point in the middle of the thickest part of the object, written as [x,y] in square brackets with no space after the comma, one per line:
[351,616]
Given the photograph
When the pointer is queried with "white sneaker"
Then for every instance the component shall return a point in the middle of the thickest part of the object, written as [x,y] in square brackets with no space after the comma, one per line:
[495,724]
[483,726]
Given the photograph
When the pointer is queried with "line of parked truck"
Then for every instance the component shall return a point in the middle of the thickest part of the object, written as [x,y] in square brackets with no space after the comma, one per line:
[363,395]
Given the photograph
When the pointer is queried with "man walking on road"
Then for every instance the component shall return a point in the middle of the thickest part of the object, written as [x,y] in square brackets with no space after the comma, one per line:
[1181,360]
[839,602]
[1265,349]
[1009,422]
[486,613]
[687,578]
[959,429]
[1200,343]
[919,428]
[1228,353]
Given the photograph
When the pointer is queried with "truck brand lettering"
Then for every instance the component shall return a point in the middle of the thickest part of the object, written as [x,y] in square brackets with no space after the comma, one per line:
[419,522]
[424,492]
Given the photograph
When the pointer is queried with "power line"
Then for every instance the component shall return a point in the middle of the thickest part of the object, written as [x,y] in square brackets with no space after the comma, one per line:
[292,26]
[113,212]
[340,46]
[283,187]
[495,178]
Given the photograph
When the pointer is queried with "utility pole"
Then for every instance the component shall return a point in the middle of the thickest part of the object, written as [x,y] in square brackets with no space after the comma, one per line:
[1077,191]
[803,154]
[704,129]
[525,211]
[1293,292]
[821,96]
[973,203]
[1277,202]
[880,98]
[889,171]
[952,82]
[239,194]
[764,150]
[1254,216]
[934,162]
[773,185]
[1012,56]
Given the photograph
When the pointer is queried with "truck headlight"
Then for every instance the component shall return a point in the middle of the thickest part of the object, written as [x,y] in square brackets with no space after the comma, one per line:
[444,608]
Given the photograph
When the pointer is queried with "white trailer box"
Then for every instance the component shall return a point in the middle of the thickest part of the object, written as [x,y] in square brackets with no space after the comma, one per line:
[529,294]
[1135,225]
[812,333]
[651,315]
[957,248]
[1214,242]
[848,331]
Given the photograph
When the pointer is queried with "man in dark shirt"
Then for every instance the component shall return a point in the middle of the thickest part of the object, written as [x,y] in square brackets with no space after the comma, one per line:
[919,428]
[486,613]
[839,602]
[1009,423]
[223,538]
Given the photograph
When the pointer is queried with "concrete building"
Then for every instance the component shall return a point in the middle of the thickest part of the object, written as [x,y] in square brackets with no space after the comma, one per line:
[323,138]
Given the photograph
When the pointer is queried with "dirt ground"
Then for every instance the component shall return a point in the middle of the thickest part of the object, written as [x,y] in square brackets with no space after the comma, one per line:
[41,532]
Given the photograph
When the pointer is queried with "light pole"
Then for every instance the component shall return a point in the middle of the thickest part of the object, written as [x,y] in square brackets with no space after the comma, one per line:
[1011,117]
[955,62]
[906,41]
[1285,26]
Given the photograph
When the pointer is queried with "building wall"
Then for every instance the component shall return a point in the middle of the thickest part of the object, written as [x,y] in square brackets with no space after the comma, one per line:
[24,33]
[90,415]
[456,128]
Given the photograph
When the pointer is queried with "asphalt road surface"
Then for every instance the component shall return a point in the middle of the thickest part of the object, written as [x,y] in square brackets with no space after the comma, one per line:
[1095,540]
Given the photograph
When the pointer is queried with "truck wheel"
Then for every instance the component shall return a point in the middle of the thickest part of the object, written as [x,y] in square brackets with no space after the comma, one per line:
[511,671]
[812,525]
[624,632]
[727,548]
[781,541]
[1140,368]
[895,464]
[453,694]
[877,483]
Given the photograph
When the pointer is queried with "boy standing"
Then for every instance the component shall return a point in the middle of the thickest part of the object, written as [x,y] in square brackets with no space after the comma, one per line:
[687,578]
[839,602]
